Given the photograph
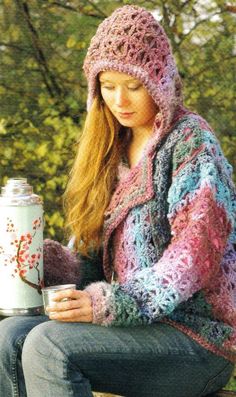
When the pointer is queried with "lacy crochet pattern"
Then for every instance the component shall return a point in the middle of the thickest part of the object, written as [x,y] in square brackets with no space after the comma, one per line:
[172,247]
[169,231]
[133,42]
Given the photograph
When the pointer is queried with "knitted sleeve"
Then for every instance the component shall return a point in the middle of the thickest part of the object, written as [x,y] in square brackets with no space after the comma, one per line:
[63,266]
[202,206]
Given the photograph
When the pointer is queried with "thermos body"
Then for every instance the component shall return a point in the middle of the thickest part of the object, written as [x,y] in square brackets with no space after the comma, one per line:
[21,250]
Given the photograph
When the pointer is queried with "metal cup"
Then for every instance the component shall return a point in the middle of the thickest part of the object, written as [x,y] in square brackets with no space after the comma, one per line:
[49,292]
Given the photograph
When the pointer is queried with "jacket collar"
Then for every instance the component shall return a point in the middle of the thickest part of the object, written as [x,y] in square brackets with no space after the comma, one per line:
[134,188]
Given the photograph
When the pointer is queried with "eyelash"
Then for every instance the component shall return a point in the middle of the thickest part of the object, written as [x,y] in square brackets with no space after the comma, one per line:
[132,89]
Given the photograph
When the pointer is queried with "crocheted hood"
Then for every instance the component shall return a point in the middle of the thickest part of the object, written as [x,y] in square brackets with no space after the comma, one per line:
[131,41]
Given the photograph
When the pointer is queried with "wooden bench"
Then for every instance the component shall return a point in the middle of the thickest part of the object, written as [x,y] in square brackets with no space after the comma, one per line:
[222,393]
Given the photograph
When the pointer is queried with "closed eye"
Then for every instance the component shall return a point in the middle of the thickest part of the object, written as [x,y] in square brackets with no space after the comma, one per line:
[129,88]
[134,88]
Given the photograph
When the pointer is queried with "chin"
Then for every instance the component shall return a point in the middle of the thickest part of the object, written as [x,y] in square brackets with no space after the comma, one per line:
[127,123]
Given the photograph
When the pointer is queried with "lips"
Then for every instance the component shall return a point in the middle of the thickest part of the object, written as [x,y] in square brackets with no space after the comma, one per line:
[125,115]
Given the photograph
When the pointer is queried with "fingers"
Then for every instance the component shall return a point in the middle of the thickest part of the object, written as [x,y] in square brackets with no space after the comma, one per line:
[74,315]
[67,305]
[67,300]
[71,306]
[69,293]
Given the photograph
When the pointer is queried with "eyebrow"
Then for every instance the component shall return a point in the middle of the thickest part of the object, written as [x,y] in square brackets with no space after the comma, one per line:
[109,81]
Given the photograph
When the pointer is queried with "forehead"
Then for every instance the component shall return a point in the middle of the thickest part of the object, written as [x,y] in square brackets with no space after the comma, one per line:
[113,76]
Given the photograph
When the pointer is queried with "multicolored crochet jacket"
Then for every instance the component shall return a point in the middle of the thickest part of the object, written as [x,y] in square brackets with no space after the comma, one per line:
[170,238]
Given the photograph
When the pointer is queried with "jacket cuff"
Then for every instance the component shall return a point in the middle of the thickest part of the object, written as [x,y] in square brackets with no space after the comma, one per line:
[101,295]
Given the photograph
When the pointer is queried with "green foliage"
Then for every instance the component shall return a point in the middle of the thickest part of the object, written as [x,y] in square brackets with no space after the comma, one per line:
[43,89]
[43,152]
[231,385]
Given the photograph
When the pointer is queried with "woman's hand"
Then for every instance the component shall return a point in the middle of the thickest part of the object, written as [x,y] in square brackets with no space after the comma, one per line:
[76,307]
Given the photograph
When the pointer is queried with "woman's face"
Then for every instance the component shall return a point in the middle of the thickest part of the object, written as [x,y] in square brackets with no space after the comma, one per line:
[123,93]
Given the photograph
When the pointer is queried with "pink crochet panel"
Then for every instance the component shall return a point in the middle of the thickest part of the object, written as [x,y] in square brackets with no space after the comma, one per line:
[133,42]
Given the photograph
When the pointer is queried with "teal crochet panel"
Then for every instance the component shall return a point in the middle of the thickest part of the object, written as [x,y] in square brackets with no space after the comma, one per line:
[198,161]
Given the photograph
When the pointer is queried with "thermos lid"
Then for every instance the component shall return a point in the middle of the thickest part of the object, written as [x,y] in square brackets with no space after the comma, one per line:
[18,192]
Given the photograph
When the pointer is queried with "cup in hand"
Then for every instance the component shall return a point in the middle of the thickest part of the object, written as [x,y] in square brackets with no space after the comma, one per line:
[48,293]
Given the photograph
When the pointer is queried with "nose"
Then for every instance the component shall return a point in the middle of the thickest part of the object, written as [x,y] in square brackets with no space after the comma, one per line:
[121,97]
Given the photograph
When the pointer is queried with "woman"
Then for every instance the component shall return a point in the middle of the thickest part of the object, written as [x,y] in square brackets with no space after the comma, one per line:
[151,204]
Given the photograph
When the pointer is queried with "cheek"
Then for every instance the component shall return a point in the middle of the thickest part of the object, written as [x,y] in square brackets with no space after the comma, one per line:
[107,99]
[148,108]
[146,103]
[152,106]
[109,103]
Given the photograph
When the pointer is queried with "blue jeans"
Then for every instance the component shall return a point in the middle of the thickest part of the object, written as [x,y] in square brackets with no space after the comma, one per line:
[41,358]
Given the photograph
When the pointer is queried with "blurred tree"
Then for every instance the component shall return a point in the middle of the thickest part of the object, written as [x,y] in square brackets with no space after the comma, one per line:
[43,89]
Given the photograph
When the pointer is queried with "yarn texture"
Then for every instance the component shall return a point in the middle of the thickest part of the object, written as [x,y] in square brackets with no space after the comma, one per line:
[133,42]
[170,238]
[170,229]
[63,266]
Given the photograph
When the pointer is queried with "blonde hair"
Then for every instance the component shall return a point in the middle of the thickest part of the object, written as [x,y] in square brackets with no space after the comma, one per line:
[93,177]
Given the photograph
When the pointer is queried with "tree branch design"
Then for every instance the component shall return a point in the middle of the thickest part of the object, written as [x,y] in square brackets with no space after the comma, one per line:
[22,258]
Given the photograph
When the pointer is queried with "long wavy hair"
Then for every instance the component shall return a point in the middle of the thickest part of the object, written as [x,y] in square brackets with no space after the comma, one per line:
[93,176]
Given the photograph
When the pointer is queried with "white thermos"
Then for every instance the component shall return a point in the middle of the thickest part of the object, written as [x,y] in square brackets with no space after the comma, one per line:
[21,249]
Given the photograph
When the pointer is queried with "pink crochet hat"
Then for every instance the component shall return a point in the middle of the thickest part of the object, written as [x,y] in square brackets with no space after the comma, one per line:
[131,41]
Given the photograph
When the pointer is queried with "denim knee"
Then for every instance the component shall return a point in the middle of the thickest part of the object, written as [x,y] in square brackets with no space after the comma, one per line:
[30,353]
[47,366]
[39,349]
